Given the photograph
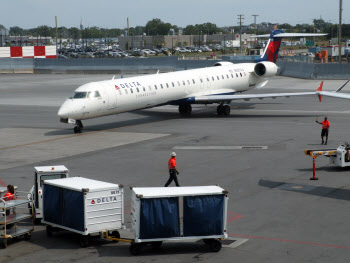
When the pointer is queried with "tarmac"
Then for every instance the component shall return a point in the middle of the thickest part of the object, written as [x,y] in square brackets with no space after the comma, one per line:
[275,213]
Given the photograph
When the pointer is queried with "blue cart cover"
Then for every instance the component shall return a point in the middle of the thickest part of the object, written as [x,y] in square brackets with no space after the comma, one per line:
[64,207]
[159,218]
[52,204]
[203,215]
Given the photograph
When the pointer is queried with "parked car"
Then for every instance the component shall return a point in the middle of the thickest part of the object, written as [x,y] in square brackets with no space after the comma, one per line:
[183,50]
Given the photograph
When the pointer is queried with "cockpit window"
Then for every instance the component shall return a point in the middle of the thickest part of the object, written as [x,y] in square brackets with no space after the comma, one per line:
[79,95]
[97,94]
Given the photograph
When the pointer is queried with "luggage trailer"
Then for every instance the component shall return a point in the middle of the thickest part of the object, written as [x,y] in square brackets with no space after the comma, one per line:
[88,207]
[161,214]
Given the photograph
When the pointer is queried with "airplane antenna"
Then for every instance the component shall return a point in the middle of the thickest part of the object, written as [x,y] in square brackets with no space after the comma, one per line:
[113,77]
[158,71]
[343,85]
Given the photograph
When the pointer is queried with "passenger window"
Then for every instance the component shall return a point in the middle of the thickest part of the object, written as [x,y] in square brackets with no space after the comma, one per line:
[222,76]
[167,85]
[213,78]
[201,80]
[161,85]
[155,86]
[173,84]
[232,75]
[120,92]
[227,76]
[183,82]
[144,89]
[178,83]
[207,79]
[137,89]
[193,81]
[218,77]
[188,82]
[240,74]
[236,75]
[126,91]
[131,90]
[150,88]
[244,73]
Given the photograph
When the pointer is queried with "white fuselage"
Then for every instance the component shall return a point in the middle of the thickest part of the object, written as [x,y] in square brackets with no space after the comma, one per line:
[114,96]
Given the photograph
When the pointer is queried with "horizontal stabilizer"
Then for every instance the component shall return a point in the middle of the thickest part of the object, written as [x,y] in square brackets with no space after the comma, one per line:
[282,35]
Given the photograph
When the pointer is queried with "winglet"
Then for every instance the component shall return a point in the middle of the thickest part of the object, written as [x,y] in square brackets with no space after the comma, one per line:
[320,89]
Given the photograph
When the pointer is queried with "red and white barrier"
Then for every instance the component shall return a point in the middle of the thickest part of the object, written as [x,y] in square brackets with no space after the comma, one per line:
[28,52]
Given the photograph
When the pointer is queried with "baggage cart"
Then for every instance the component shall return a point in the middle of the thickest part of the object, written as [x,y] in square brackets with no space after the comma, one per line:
[15,221]
[84,206]
[161,214]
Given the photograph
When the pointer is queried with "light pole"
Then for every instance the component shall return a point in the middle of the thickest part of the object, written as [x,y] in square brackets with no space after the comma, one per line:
[339,35]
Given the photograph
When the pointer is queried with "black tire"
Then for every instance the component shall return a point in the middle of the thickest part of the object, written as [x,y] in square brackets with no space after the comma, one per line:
[49,231]
[135,249]
[226,110]
[115,234]
[156,244]
[27,236]
[84,241]
[4,243]
[220,110]
[207,241]
[215,245]
[188,108]
[76,129]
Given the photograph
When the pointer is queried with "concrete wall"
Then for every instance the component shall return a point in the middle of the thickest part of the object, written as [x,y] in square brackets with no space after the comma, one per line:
[163,64]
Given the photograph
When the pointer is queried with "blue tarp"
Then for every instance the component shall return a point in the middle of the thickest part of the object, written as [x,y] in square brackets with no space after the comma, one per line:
[52,204]
[73,210]
[203,215]
[64,207]
[159,218]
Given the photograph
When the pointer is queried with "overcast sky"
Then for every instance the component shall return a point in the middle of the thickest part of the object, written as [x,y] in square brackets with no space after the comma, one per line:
[114,13]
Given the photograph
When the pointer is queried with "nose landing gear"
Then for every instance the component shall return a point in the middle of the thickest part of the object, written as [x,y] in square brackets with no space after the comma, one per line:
[78,127]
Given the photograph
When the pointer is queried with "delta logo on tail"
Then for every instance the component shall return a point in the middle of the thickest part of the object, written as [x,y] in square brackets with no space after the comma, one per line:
[274,43]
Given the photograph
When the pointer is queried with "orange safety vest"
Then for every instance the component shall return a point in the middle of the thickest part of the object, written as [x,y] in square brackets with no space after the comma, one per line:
[325,125]
[8,196]
[172,163]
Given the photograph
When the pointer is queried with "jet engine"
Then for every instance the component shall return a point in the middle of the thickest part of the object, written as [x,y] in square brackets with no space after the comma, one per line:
[223,63]
[265,69]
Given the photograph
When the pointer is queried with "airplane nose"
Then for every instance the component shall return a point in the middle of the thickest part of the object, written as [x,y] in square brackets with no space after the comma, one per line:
[64,112]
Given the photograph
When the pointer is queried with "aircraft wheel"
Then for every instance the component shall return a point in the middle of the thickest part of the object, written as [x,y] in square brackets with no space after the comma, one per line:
[215,245]
[220,110]
[135,249]
[226,110]
[182,109]
[77,129]
[188,109]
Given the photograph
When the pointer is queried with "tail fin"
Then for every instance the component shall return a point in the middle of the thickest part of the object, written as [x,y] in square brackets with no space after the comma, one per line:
[272,47]
[320,89]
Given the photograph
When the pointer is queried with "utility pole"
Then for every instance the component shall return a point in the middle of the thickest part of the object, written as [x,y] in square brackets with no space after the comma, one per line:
[127,20]
[256,29]
[56,37]
[339,35]
[240,17]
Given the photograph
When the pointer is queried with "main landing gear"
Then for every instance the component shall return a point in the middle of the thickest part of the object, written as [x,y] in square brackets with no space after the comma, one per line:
[223,110]
[78,126]
[185,109]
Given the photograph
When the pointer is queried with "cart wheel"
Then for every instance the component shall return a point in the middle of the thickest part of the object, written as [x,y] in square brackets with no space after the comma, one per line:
[84,241]
[215,245]
[115,234]
[156,244]
[4,243]
[49,231]
[27,236]
[135,249]
[207,241]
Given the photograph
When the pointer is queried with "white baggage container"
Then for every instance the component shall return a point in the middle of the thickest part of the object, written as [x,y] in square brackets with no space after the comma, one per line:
[178,213]
[83,206]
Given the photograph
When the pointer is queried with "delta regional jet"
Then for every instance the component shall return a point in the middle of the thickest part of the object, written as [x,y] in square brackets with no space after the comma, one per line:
[218,84]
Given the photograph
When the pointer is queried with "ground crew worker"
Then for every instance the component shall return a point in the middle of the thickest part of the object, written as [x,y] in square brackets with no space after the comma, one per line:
[172,170]
[325,129]
[10,195]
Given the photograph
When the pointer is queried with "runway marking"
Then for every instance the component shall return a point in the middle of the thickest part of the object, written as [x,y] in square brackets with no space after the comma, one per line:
[233,217]
[288,241]
[66,137]
[3,183]
[220,147]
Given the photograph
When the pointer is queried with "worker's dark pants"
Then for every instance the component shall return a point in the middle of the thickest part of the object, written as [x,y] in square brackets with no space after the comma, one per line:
[173,176]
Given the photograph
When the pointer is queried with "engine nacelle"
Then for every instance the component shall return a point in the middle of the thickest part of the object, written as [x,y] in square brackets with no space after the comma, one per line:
[223,63]
[265,69]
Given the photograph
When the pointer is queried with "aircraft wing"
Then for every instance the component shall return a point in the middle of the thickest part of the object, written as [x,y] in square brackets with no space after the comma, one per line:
[292,35]
[334,94]
[247,97]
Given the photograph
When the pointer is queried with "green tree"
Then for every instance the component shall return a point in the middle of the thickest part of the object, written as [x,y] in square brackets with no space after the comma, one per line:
[16,30]
[157,27]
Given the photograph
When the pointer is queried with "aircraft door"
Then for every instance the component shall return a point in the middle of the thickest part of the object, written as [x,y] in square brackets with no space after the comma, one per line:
[111,93]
